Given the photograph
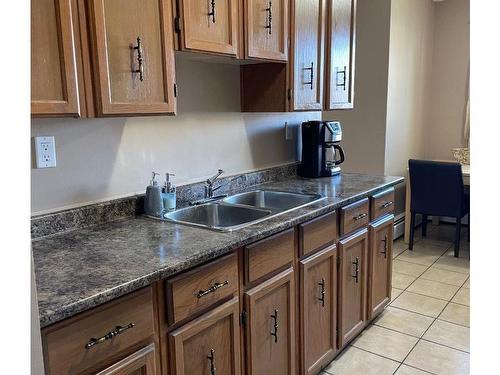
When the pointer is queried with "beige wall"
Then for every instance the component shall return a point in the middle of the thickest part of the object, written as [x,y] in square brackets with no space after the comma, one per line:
[449,78]
[98,159]
[364,126]
[410,71]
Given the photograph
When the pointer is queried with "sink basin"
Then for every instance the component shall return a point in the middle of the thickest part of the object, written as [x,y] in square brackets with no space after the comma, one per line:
[273,200]
[218,216]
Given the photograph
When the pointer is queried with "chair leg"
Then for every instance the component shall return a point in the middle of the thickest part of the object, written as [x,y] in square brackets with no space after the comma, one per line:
[458,227]
[412,230]
[424,225]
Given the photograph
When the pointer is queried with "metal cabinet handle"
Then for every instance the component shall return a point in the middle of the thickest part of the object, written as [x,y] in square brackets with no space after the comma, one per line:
[360,216]
[140,61]
[211,357]
[344,77]
[311,68]
[269,11]
[108,336]
[274,332]
[211,289]
[385,246]
[322,292]
[356,270]
[212,13]
[387,204]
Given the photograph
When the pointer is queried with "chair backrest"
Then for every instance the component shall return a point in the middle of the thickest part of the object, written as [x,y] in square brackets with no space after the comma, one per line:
[437,188]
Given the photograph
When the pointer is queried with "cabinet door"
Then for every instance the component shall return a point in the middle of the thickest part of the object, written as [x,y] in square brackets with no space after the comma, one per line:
[266,29]
[380,254]
[318,302]
[307,62]
[352,285]
[142,362]
[270,336]
[209,26]
[133,56]
[341,51]
[54,90]
[209,343]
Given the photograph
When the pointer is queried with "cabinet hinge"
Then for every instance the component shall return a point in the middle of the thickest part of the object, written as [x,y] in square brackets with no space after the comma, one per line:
[175,90]
[289,94]
[243,318]
[339,261]
[177,24]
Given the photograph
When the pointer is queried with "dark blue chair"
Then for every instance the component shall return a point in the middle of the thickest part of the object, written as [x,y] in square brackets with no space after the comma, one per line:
[437,189]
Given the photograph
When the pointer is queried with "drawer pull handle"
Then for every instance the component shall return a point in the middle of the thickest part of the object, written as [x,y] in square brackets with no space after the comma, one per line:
[211,357]
[360,216]
[385,246]
[322,292]
[311,81]
[344,78]
[387,204]
[140,61]
[212,289]
[212,13]
[108,336]
[269,25]
[356,270]
[274,332]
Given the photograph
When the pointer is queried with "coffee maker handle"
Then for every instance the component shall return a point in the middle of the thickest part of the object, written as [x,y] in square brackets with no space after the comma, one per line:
[341,154]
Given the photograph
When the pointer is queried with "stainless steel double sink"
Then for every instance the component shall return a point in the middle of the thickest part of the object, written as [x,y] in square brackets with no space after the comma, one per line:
[241,210]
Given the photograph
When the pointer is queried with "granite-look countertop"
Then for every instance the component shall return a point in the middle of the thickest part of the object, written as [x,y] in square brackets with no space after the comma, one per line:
[81,269]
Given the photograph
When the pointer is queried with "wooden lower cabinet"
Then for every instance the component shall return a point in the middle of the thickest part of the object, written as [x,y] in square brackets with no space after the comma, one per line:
[318,310]
[209,344]
[269,331]
[140,363]
[380,254]
[352,285]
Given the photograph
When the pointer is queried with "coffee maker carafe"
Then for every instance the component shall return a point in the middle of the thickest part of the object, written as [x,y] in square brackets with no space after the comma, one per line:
[320,146]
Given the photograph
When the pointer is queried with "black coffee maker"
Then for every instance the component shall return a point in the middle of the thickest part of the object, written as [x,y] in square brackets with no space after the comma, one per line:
[320,143]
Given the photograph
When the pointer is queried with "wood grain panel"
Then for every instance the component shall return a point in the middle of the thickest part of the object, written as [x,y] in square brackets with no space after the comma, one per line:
[354,216]
[269,254]
[382,204]
[182,291]
[142,362]
[318,233]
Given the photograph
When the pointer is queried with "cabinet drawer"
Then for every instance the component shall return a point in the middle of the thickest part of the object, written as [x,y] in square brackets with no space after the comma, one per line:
[70,347]
[382,204]
[354,216]
[269,254]
[318,233]
[200,288]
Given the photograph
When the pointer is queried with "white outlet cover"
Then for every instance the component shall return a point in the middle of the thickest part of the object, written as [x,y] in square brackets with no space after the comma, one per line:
[45,152]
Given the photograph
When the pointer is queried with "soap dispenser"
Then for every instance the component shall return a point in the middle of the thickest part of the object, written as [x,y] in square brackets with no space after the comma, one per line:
[169,194]
[153,202]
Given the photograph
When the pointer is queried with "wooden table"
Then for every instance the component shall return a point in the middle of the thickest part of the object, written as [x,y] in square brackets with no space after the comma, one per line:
[466,177]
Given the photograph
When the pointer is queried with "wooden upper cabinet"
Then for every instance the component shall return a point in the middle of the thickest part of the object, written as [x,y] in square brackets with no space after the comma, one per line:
[209,344]
[341,50]
[54,88]
[352,285]
[266,29]
[209,26]
[133,56]
[308,22]
[318,305]
[142,362]
[380,254]
[270,337]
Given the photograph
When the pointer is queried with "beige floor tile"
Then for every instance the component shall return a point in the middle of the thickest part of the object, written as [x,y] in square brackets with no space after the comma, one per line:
[463,253]
[467,284]
[357,361]
[462,297]
[396,251]
[402,281]
[439,359]
[407,370]
[395,293]
[433,289]
[455,313]
[426,242]
[451,263]
[404,321]
[431,247]
[449,334]
[418,257]
[407,268]
[443,276]
[385,342]
[420,304]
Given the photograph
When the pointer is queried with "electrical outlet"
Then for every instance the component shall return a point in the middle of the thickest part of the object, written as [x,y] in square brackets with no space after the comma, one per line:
[288,132]
[45,152]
